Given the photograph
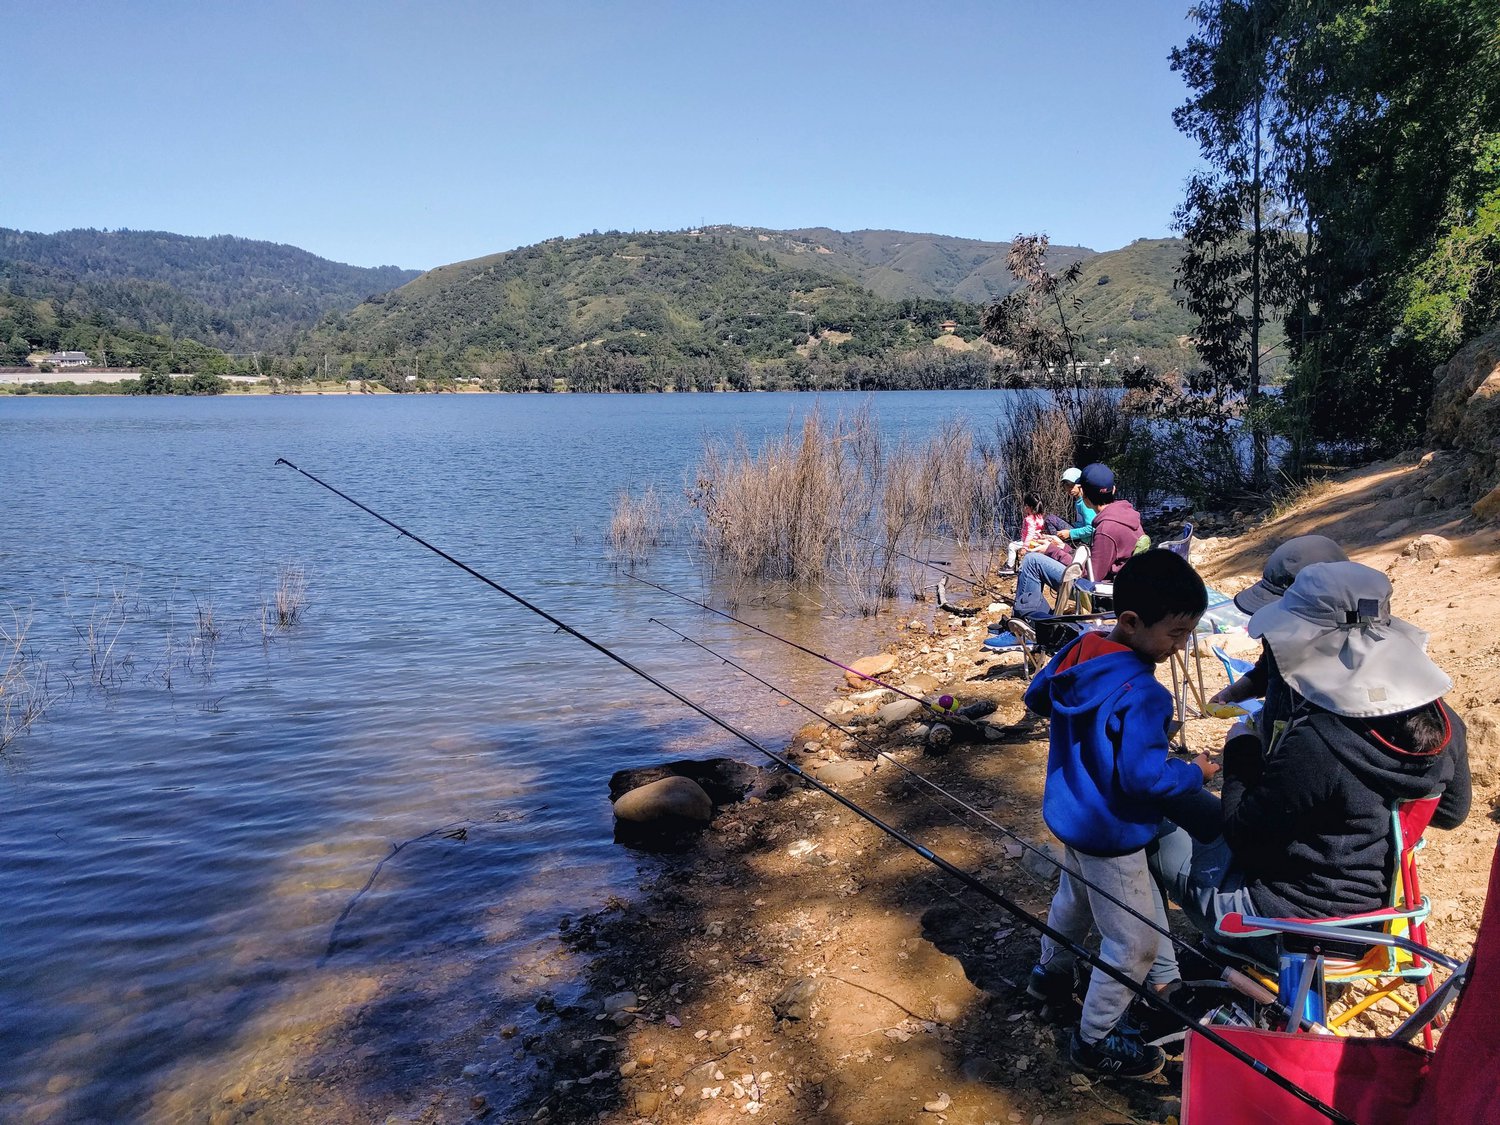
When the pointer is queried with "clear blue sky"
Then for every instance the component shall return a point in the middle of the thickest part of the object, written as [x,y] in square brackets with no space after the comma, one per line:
[418,133]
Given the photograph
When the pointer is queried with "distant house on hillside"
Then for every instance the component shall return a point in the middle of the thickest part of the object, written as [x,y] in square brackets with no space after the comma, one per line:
[949,327]
[68,359]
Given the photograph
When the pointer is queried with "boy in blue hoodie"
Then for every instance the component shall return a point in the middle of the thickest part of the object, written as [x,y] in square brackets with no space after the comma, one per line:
[1110,775]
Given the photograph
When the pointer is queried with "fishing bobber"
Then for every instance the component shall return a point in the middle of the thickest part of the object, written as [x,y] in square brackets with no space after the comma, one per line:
[946,704]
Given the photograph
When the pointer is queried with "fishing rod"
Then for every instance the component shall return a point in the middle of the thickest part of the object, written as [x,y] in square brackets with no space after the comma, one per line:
[801,648]
[1014,909]
[913,558]
[1232,975]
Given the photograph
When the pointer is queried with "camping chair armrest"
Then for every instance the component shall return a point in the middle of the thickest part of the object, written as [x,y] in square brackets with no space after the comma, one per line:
[1250,925]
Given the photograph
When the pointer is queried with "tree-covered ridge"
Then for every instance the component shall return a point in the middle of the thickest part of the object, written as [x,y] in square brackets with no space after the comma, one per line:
[669,295]
[898,264]
[234,293]
[721,298]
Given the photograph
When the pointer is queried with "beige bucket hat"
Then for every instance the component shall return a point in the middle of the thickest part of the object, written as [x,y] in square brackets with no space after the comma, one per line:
[1338,646]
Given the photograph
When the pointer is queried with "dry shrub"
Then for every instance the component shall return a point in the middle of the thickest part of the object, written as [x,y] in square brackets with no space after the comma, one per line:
[832,503]
[25,687]
[637,525]
[284,609]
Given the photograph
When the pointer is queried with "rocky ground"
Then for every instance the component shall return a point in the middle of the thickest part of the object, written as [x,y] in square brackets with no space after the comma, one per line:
[796,964]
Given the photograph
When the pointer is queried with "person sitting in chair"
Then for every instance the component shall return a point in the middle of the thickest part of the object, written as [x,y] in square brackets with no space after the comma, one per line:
[1264,681]
[1306,823]
[1116,533]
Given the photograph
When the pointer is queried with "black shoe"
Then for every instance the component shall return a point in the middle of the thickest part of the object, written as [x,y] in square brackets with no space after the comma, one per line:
[1052,988]
[1117,1055]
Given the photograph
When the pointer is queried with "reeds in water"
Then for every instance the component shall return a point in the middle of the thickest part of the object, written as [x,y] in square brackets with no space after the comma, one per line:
[284,609]
[637,526]
[26,690]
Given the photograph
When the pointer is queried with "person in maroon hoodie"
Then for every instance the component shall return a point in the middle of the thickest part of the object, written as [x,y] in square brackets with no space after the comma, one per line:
[1117,525]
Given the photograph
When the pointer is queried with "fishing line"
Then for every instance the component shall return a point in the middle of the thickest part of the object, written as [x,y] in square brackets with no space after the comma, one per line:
[922,562]
[794,644]
[1208,953]
[1014,909]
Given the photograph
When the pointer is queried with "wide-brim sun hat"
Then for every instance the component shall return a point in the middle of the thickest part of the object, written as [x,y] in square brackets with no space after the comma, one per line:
[1338,646]
[1283,566]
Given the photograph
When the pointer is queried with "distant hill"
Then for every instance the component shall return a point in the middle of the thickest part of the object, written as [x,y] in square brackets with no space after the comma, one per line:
[720,297]
[729,296]
[232,293]
[727,304]
[897,264]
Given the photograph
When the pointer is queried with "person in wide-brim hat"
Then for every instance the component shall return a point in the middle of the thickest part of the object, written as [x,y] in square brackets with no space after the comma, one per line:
[1338,646]
[1264,681]
[1282,567]
[1306,816]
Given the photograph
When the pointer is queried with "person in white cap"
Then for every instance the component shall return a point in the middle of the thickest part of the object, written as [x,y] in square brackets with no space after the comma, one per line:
[1306,823]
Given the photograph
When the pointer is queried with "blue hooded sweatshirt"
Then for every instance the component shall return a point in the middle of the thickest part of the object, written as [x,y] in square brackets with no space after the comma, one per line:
[1110,773]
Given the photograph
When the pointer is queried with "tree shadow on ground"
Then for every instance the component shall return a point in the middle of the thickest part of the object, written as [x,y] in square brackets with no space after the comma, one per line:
[801,966]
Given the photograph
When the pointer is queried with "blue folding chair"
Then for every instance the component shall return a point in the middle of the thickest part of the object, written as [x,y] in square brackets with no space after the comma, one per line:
[1234,668]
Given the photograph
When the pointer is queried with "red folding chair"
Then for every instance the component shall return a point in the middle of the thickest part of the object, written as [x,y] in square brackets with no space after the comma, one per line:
[1387,968]
[1371,1081]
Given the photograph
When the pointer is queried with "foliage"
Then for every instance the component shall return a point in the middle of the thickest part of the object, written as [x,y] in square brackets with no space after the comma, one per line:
[235,293]
[1377,125]
[1039,322]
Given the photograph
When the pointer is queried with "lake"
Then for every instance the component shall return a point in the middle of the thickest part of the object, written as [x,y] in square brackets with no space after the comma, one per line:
[331,859]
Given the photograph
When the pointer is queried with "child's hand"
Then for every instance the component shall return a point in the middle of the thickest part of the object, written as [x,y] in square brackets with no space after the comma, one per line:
[1207,765]
[1237,692]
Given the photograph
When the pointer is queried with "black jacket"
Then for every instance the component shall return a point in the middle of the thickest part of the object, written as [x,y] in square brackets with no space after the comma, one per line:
[1309,822]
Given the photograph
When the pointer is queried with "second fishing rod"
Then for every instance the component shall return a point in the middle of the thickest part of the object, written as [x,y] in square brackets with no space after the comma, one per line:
[1231,976]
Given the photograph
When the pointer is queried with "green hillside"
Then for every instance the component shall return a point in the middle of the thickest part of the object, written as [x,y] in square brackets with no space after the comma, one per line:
[232,293]
[715,300]
[899,264]
[736,304]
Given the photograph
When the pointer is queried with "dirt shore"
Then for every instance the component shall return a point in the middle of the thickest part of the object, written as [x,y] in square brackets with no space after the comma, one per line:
[797,965]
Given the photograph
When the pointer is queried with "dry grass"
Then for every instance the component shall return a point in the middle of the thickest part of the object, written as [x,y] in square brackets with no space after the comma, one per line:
[284,609]
[25,687]
[833,504]
[637,526]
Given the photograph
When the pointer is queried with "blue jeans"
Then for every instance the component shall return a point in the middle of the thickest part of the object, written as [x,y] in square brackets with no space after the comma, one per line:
[1037,568]
[1201,879]
[1125,942]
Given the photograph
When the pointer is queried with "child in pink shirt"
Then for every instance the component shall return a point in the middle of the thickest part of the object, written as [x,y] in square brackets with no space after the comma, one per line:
[1033,528]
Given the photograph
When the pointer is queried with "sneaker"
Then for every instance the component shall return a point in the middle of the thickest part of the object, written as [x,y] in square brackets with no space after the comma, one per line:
[1117,1055]
[1053,988]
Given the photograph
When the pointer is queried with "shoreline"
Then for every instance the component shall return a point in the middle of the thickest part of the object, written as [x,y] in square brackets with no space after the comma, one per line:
[909,991]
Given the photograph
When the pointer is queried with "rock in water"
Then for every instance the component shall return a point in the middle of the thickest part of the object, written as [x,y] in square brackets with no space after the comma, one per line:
[669,807]
[877,665]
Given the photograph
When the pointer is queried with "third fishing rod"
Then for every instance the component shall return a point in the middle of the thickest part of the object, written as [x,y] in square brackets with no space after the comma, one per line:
[1232,975]
[1014,909]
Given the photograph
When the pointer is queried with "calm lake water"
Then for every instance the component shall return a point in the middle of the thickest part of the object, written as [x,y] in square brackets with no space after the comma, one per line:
[185,838]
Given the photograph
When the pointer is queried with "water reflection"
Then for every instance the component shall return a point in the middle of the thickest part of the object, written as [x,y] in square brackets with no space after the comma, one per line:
[185,839]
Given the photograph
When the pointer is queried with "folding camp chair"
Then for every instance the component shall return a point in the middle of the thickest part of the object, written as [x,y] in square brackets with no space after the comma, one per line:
[1371,1081]
[1309,954]
[1235,668]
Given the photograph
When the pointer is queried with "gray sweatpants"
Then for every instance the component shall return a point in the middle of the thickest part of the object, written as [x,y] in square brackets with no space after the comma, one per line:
[1125,942]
